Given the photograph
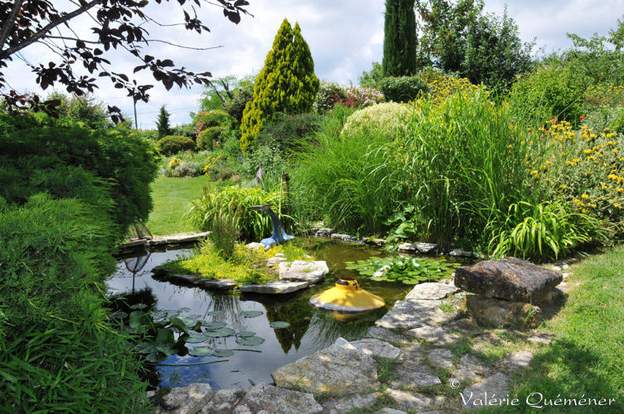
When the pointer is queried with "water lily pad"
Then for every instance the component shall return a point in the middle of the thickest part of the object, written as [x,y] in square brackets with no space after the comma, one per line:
[220,333]
[279,325]
[250,341]
[196,339]
[213,326]
[201,351]
[251,314]
[246,334]
[222,353]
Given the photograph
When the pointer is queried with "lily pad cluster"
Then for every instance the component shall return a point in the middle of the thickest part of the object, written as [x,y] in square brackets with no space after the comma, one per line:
[403,269]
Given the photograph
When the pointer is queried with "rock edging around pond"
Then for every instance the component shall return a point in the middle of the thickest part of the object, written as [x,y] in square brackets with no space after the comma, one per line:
[425,355]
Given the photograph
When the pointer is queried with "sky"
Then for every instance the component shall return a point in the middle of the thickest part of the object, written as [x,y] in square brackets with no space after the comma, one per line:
[345,37]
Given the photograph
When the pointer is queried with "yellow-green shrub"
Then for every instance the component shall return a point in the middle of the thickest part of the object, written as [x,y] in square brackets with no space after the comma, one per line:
[387,118]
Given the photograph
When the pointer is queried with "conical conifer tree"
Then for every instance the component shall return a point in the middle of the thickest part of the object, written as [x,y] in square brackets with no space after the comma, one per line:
[286,83]
[399,38]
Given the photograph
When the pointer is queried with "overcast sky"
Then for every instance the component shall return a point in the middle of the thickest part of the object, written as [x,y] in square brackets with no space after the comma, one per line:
[345,37]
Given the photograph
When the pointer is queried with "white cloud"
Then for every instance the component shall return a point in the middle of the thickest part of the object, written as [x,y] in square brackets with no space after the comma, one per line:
[345,37]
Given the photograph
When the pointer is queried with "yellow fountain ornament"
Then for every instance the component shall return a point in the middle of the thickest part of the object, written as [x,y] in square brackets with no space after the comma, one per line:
[347,296]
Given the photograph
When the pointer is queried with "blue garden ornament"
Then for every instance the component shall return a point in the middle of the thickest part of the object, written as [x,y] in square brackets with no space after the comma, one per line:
[279,235]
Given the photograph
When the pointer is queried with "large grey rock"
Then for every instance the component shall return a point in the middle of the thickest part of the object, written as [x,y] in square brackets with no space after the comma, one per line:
[435,335]
[340,369]
[389,410]
[343,237]
[387,335]
[301,270]
[276,260]
[471,369]
[425,248]
[349,404]
[270,399]
[408,314]
[221,284]
[412,371]
[225,402]
[430,291]
[184,400]
[441,358]
[409,401]
[278,287]
[495,386]
[377,348]
[509,279]
[496,313]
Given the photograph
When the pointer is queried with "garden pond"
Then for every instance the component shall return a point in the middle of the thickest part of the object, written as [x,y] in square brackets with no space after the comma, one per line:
[271,331]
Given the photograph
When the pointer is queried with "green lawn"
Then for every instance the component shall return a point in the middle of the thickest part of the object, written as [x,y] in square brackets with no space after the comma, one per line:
[172,200]
[586,358]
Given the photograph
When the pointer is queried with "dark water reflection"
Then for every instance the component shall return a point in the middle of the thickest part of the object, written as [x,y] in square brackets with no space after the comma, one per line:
[310,329]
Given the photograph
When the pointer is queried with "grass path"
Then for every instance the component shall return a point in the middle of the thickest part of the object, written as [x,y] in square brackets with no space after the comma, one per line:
[172,200]
[586,357]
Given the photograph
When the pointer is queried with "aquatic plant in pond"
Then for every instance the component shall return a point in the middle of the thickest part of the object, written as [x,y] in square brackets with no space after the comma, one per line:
[407,270]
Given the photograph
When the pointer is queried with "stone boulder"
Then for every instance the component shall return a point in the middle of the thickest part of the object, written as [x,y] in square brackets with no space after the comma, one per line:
[270,399]
[431,291]
[495,313]
[509,279]
[377,348]
[408,314]
[301,270]
[340,369]
[184,400]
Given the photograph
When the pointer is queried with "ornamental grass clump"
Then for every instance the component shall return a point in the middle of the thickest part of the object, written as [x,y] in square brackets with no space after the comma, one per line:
[234,205]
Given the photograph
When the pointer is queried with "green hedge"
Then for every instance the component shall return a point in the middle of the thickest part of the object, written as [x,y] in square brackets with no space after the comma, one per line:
[172,144]
[403,88]
[110,168]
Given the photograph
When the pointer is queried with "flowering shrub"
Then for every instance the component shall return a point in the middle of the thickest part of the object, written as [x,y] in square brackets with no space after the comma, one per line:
[441,86]
[584,168]
[189,164]
[362,97]
[328,96]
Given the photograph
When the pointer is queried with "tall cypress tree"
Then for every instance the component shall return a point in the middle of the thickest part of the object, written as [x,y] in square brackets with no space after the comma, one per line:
[399,38]
[287,82]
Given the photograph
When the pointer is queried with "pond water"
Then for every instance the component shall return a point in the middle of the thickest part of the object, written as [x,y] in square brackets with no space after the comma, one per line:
[310,329]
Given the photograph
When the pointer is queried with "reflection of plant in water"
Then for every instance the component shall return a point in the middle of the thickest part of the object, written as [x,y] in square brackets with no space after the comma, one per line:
[297,313]
[224,308]
[175,377]
[325,329]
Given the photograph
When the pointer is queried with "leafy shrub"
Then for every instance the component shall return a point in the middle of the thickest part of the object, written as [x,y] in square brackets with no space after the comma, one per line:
[236,203]
[403,88]
[235,106]
[59,353]
[70,160]
[172,144]
[386,119]
[287,131]
[545,231]
[440,85]
[190,164]
[214,118]
[210,136]
[553,90]
[328,96]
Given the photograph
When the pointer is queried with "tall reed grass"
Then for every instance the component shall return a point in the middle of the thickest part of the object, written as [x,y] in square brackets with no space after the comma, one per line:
[460,163]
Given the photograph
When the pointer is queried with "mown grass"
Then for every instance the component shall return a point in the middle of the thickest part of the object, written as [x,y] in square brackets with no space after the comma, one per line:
[585,359]
[172,200]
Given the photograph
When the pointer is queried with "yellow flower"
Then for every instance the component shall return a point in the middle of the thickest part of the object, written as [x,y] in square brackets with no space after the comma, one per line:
[585,196]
